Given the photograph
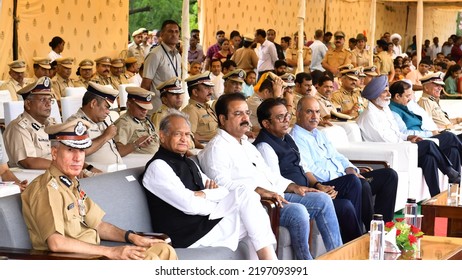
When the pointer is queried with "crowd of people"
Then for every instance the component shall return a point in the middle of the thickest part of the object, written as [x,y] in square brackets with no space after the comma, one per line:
[248,131]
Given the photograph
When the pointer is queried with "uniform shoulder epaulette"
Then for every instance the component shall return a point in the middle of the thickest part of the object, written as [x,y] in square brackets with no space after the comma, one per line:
[23,122]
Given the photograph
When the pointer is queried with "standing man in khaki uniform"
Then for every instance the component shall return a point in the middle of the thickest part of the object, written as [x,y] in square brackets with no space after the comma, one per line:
[348,97]
[84,72]
[95,109]
[136,50]
[103,71]
[204,122]
[25,139]
[135,132]
[62,79]
[61,197]
[17,79]
[171,95]
[117,73]
[337,56]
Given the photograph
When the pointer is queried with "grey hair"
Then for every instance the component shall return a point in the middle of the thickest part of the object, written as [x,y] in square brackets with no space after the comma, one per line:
[164,125]
[299,104]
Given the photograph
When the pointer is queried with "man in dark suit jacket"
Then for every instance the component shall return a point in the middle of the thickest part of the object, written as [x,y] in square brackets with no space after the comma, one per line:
[270,36]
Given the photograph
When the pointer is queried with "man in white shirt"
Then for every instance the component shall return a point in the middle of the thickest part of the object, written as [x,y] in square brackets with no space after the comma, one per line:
[232,161]
[377,124]
[318,51]
[267,53]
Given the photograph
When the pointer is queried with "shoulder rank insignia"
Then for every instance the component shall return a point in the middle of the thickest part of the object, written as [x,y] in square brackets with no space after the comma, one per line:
[35,126]
[66,181]
[53,183]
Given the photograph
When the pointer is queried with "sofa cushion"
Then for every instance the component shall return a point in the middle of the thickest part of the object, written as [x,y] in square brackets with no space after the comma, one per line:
[13,230]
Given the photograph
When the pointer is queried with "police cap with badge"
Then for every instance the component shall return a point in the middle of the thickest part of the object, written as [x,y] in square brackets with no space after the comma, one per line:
[86,64]
[44,62]
[71,133]
[172,86]
[108,94]
[436,78]
[41,86]
[237,75]
[349,71]
[18,66]
[66,62]
[370,71]
[200,79]
[289,79]
[140,96]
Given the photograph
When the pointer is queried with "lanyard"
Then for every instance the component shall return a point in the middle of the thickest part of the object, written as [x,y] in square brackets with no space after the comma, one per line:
[171,61]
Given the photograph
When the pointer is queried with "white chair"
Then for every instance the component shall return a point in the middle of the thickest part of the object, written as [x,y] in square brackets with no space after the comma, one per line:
[55,112]
[5,96]
[123,94]
[75,91]
[12,110]
[70,105]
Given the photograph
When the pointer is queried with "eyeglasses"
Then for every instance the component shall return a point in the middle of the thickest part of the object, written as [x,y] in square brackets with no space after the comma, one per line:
[45,100]
[281,118]
[242,113]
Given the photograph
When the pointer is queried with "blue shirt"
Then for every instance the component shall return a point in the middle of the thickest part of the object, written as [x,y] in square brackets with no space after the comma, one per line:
[319,154]
[408,122]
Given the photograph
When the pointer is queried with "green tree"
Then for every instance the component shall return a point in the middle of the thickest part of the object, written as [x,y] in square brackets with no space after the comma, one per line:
[151,13]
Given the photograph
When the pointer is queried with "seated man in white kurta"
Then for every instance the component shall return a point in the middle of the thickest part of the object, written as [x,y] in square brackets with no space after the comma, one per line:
[191,208]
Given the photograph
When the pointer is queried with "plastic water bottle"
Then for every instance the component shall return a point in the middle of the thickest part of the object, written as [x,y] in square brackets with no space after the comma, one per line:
[377,238]
[360,104]
[410,212]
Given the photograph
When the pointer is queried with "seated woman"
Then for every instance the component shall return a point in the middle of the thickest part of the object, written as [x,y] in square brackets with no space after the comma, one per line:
[225,51]
[451,82]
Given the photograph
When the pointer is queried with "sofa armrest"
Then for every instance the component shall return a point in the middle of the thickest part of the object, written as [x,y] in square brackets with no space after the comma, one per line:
[30,254]
[155,235]
[363,164]
[273,210]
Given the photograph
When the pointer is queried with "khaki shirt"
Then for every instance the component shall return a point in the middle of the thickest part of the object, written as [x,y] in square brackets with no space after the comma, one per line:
[13,86]
[345,100]
[80,82]
[25,137]
[118,80]
[159,115]
[384,63]
[359,58]
[336,58]
[129,129]
[108,153]
[292,53]
[136,51]
[325,105]
[253,102]
[59,84]
[97,78]
[204,122]
[434,110]
[59,210]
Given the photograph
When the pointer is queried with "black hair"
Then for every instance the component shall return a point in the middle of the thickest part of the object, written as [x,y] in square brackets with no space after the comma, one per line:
[228,63]
[55,42]
[263,110]
[300,77]
[398,87]
[261,32]
[279,63]
[221,107]
[324,78]
[167,22]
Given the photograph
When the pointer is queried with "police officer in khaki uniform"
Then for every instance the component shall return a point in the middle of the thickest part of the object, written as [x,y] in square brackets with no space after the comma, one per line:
[96,103]
[204,122]
[84,73]
[432,85]
[62,79]
[288,94]
[171,95]
[337,56]
[131,67]
[17,79]
[384,61]
[103,71]
[42,67]
[135,132]
[59,191]
[234,81]
[117,73]
[360,55]
[370,72]
[25,139]
[136,49]
[348,98]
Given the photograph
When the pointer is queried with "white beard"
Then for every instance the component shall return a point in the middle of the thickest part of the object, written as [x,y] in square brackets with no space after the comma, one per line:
[382,103]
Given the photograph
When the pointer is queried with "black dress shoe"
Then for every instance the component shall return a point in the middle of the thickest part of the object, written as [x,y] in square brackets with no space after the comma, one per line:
[454,176]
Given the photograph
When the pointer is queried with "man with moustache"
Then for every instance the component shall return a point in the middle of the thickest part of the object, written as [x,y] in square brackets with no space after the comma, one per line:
[348,98]
[84,73]
[103,71]
[327,164]
[325,89]
[62,79]
[17,79]
[233,81]
[171,95]
[377,124]
[233,162]
[337,56]
[203,119]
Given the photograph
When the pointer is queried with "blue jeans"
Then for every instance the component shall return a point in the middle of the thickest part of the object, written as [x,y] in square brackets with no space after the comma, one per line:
[296,218]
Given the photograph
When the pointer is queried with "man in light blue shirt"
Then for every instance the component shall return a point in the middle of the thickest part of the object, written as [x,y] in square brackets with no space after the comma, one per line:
[327,163]
[318,51]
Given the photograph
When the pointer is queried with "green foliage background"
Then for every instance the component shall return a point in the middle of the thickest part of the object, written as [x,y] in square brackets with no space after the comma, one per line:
[160,10]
